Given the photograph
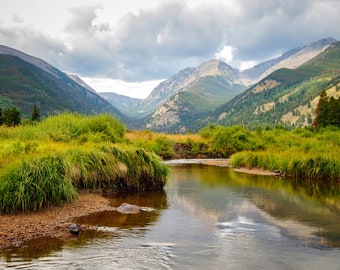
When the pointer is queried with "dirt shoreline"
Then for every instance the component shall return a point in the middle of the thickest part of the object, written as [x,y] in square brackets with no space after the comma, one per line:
[226,163]
[18,228]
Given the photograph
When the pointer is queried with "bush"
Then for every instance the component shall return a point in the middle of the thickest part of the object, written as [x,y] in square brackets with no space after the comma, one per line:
[163,147]
[229,140]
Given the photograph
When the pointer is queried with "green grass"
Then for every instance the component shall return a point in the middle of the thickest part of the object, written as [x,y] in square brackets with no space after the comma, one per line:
[301,154]
[47,163]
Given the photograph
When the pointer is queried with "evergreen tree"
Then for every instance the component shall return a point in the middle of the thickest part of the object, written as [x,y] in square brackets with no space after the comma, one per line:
[35,116]
[320,113]
[11,117]
[0,117]
[327,112]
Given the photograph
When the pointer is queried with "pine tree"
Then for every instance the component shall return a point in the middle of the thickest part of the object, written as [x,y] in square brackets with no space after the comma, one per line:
[327,112]
[35,116]
[11,117]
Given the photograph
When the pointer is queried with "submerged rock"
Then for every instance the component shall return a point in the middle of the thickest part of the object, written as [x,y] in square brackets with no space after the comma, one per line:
[126,208]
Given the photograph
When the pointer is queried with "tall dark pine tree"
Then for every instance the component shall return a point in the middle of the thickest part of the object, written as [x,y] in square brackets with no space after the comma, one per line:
[35,116]
[334,112]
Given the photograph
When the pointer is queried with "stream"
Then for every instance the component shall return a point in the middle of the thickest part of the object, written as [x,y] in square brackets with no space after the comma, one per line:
[207,217]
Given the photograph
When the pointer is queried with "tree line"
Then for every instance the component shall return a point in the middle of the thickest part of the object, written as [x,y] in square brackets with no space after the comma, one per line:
[327,112]
[11,116]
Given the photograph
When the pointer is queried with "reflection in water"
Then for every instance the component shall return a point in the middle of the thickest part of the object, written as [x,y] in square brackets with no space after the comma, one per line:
[208,218]
[260,199]
[153,201]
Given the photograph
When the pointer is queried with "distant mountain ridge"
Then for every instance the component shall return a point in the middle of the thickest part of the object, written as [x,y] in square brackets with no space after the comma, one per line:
[26,80]
[78,80]
[122,103]
[291,59]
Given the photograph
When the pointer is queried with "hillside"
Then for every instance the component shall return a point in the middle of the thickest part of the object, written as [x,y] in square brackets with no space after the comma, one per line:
[195,91]
[287,96]
[24,84]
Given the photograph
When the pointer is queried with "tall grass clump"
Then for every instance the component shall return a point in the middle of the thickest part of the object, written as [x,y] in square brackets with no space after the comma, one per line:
[54,179]
[32,185]
[144,170]
[92,169]
[69,127]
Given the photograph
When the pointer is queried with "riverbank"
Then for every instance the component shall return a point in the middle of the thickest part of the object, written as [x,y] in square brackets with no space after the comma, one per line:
[52,222]
[226,163]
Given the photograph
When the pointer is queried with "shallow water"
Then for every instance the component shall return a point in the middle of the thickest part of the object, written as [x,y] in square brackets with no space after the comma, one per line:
[207,218]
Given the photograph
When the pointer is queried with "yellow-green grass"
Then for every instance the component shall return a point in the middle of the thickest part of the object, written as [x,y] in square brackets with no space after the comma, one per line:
[47,163]
[302,154]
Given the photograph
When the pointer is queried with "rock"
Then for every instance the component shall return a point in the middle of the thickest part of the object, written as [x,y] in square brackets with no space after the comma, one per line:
[126,208]
[74,229]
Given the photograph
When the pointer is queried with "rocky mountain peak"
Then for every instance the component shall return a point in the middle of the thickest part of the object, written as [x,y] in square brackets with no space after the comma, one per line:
[216,67]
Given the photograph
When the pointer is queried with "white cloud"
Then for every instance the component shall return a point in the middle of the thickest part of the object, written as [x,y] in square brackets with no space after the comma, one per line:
[165,34]
[225,54]
[247,64]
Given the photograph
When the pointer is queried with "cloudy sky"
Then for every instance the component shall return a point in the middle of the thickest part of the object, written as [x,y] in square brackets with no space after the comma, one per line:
[129,46]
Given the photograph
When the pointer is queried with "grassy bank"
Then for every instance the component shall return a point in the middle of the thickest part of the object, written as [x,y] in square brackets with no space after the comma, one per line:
[301,154]
[46,163]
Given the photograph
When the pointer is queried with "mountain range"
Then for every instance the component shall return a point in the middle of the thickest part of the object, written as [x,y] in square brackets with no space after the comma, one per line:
[176,104]
[283,90]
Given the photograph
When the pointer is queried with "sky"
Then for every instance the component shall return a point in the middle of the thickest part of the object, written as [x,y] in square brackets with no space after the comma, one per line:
[130,46]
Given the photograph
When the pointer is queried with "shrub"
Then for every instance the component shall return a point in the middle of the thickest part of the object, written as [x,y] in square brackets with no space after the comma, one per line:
[163,147]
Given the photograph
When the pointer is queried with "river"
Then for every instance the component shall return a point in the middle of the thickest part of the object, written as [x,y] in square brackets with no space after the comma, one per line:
[207,217]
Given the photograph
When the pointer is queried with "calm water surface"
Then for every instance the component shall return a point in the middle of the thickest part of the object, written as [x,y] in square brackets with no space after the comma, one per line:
[207,218]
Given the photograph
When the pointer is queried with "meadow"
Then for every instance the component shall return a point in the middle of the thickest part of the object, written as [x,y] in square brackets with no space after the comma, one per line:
[46,163]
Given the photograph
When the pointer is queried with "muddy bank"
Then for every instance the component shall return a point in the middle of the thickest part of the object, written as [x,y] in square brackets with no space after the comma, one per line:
[52,222]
